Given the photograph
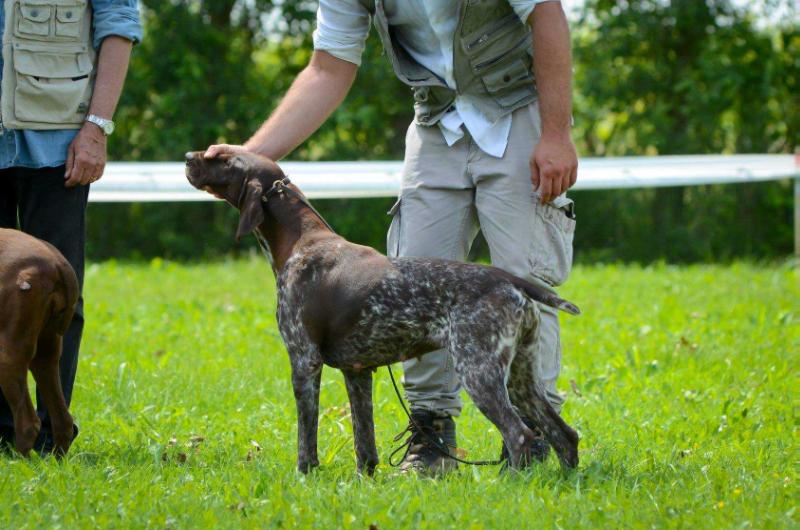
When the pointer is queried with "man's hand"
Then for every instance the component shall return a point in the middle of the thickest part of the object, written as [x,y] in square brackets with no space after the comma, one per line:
[225,149]
[554,166]
[86,156]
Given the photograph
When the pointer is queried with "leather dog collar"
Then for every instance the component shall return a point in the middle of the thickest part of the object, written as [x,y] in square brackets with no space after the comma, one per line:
[281,186]
[277,187]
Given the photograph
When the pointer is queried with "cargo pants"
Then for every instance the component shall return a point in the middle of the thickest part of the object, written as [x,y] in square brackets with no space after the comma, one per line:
[448,194]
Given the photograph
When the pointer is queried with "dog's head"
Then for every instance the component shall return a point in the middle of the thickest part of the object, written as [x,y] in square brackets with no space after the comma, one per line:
[240,179]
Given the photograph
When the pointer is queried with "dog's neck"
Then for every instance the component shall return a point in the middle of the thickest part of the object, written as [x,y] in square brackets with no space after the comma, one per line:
[288,225]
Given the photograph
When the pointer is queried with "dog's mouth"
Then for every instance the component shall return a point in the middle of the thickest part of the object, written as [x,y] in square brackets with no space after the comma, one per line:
[190,175]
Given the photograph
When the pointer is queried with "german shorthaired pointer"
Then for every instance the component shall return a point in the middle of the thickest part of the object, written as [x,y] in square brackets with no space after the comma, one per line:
[38,293]
[352,308]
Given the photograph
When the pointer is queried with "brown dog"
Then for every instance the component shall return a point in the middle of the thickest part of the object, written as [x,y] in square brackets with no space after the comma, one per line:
[350,307]
[38,294]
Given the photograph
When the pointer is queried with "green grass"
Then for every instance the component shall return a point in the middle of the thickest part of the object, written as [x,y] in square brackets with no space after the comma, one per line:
[682,382]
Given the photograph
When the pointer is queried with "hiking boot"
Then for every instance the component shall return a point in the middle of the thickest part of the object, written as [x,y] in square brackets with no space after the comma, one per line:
[431,438]
[540,447]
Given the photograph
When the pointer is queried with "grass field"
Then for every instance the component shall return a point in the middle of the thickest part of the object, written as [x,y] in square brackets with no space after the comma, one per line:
[682,382]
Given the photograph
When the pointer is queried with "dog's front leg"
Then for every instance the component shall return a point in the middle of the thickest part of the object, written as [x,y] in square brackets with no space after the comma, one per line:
[305,381]
[359,390]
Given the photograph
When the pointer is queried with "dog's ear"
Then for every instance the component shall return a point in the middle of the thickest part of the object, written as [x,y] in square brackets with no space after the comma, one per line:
[251,213]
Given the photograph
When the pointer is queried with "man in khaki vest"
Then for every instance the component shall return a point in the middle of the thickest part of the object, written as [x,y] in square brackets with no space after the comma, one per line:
[63,67]
[489,149]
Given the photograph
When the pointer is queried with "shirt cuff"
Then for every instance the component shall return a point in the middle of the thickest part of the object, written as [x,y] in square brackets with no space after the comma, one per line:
[524,9]
[346,52]
[120,22]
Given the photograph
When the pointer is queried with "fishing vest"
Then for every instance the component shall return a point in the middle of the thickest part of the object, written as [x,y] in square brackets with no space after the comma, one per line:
[492,62]
[49,64]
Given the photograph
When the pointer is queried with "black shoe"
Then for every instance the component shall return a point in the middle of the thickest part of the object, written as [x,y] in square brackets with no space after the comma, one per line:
[45,445]
[6,440]
[431,438]
[540,447]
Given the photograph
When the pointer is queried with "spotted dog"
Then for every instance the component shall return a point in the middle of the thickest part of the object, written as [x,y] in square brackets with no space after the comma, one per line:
[352,308]
[38,293]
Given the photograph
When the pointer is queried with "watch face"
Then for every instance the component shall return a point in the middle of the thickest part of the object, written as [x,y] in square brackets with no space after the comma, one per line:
[108,127]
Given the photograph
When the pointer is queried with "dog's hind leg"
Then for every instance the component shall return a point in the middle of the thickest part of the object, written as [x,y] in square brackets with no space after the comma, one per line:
[44,367]
[482,366]
[359,390]
[14,384]
[529,398]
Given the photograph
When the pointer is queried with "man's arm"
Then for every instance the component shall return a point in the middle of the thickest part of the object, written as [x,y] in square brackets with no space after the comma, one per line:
[554,164]
[86,157]
[316,92]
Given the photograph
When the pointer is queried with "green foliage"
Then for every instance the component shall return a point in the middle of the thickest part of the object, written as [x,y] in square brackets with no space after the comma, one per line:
[678,379]
[652,77]
[684,77]
[211,72]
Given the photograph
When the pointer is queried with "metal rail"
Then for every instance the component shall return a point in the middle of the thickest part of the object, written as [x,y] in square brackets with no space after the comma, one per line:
[166,182]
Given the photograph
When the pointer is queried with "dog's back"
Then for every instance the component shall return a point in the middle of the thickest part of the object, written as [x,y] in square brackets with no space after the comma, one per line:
[38,287]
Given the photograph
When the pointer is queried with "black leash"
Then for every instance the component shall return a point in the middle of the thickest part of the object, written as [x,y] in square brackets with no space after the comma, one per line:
[281,186]
[438,444]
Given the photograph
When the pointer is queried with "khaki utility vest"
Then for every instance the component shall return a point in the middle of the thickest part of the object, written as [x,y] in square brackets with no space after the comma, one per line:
[492,62]
[49,69]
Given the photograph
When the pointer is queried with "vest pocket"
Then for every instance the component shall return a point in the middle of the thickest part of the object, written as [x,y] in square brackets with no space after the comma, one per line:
[509,83]
[68,20]
[33,21]
[52,87]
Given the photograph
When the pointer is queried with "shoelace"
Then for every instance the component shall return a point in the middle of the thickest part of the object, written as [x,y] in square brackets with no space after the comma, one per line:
[435,441]
[416,440]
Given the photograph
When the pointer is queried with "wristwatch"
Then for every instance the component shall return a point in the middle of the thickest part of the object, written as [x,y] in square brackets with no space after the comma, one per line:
[107,126]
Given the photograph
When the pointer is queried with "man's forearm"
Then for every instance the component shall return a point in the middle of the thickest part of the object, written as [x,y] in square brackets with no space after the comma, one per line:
[112,67]
[552,64]
[86,156]
[314,95]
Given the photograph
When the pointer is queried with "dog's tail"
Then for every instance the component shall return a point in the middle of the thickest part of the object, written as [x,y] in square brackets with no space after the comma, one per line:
[544,296]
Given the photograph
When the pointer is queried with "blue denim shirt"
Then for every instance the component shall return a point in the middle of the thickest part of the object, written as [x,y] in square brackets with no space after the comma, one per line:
[35,149]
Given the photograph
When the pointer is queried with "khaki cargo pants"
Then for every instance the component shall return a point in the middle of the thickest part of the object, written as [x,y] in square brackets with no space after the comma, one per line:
[448,194]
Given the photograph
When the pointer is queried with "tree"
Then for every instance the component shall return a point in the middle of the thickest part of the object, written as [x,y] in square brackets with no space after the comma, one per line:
[682,77]
[652,77]
[211,71]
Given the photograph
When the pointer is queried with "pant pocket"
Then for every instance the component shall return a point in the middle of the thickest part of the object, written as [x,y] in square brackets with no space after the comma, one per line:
[52,87]
[553,234]
[393,237]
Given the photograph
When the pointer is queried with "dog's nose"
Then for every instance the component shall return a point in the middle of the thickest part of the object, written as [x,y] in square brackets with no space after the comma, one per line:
[190,156]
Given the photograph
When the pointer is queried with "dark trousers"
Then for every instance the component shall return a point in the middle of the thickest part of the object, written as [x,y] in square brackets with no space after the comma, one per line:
[36,201]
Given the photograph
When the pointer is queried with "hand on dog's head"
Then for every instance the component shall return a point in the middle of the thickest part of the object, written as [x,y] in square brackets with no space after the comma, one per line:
[238,178]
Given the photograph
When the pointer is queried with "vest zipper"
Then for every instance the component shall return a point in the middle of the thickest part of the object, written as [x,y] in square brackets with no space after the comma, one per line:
[462,12]
[490,62]
[500,25]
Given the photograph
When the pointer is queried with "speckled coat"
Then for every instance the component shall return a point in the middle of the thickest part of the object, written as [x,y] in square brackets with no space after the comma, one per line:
[349,307]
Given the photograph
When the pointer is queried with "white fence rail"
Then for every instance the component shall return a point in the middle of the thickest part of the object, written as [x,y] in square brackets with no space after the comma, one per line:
[165,182]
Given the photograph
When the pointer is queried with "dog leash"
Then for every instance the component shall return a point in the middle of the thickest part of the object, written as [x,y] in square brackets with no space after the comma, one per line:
[281,186]
[437,443]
